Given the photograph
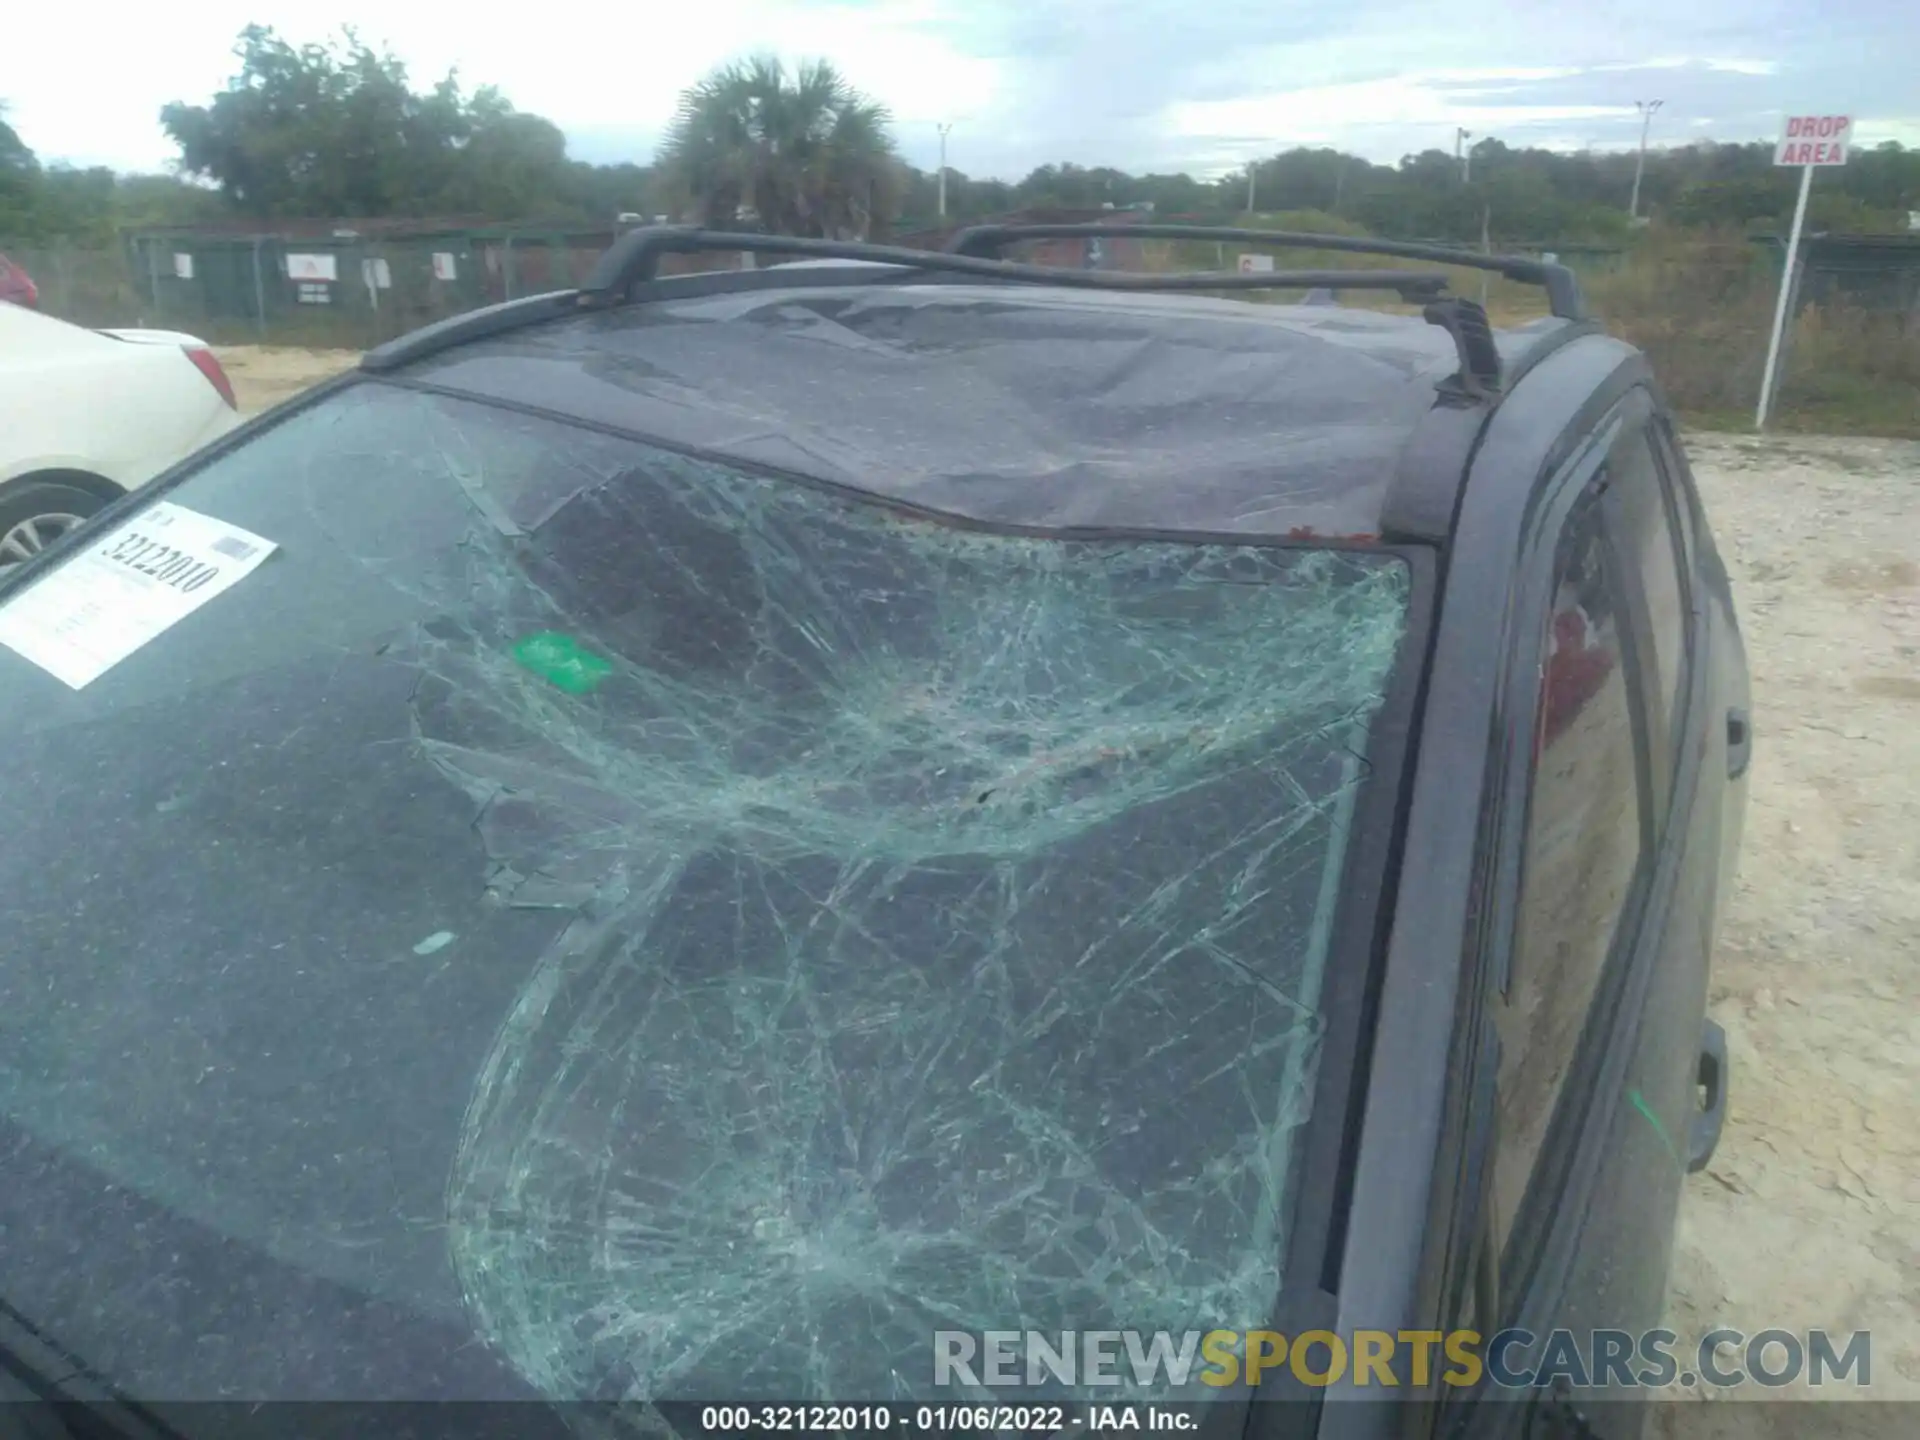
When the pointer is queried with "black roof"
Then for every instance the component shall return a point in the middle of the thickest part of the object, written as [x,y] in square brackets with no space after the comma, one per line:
[1017,405]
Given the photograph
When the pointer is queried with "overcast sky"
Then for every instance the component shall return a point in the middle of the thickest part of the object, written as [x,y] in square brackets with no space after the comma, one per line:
[1196,85]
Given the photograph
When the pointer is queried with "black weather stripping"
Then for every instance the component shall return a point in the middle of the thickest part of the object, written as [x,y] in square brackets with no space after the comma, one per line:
[1563,289]
[634,259]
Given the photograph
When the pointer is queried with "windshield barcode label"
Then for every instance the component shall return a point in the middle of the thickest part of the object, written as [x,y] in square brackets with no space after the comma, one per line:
[125,589]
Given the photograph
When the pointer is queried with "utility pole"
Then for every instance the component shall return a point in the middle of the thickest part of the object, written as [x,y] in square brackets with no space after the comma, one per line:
[944,126]
[1646,109]
[1253,174]
[1486,248]
[1460,138]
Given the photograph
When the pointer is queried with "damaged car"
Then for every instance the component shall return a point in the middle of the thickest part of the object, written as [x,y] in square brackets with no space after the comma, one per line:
[671,843]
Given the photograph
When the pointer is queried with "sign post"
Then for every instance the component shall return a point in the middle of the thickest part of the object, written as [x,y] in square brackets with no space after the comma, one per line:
[1810,142]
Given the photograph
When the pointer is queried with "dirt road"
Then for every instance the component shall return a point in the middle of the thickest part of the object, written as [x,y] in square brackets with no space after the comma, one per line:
[1809,1216]
[264,375]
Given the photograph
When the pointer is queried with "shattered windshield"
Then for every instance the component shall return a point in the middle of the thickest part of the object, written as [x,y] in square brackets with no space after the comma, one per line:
[696,935]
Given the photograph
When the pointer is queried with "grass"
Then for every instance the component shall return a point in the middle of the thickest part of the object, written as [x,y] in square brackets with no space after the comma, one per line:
[1701,307]
[1881,414]
[1703,310]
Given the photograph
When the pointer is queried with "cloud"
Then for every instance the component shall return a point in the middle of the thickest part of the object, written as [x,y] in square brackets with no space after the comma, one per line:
[1351,114]
[1870,130]
[1142,84]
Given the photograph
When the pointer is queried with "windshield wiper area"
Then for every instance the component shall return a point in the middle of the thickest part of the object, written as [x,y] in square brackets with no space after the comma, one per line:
[47,1394]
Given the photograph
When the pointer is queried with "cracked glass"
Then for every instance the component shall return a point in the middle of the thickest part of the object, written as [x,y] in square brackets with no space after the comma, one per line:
[694,934]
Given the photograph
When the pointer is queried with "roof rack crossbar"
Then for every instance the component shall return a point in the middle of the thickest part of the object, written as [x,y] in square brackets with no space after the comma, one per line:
[1562,287]
[635,258]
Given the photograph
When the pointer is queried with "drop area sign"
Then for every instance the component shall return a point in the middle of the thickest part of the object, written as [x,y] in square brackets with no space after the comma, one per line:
[1813,140]
[1810,143]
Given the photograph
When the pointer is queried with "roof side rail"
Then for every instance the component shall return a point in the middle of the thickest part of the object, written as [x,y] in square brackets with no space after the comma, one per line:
[1562,287]
[469,325]
[634,259]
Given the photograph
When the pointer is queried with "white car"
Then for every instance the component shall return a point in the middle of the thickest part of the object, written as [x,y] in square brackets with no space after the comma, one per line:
[87,415]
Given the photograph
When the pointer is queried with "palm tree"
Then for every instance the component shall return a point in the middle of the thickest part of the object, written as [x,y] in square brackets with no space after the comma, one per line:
[806,155]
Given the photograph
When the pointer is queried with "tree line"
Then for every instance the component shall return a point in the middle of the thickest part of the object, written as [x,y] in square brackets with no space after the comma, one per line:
[339,131]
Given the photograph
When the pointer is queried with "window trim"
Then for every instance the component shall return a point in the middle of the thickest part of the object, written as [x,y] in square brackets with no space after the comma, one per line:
[1526,1243]
[1328,1150]
[1689,519]
[1680,529]
[1652,739]
[1684,494]
[1666,732]
[1703,572]
[1504,815]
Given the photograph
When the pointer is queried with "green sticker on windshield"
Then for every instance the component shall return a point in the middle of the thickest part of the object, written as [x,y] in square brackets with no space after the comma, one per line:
[562,660]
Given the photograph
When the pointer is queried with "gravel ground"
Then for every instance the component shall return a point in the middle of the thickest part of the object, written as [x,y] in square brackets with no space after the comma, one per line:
[1809,1216]
[264,375]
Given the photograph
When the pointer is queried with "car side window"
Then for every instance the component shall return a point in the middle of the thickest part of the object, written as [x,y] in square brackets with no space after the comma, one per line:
[1582,849]
[1646,535]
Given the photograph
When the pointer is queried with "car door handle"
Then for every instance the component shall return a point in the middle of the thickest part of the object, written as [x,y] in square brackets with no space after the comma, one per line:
[1739,743]
[1712,1117]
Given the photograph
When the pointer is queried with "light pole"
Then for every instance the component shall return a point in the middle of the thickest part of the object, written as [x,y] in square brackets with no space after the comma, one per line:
[1646,109]
[1466,160]
[944,127]
[1460,138]
[1253,173]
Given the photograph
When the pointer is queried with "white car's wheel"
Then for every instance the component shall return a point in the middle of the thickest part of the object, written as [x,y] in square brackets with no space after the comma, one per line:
[37,516]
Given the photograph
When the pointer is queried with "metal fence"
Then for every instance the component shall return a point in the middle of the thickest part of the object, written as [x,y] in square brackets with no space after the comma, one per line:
[333,289]
[344,288]
[1872,272]
[322,285]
